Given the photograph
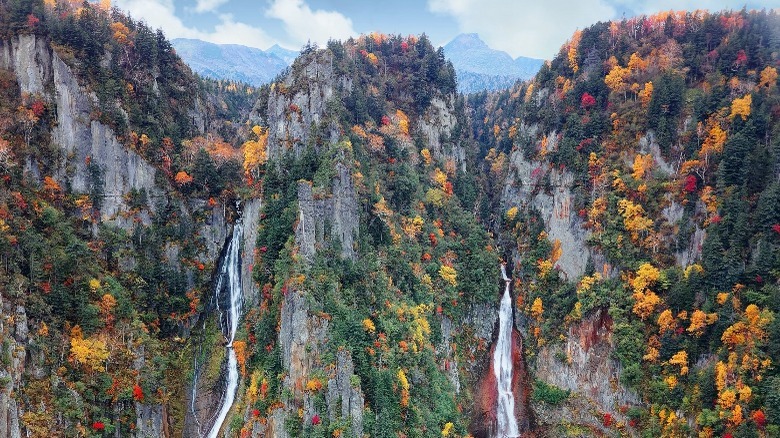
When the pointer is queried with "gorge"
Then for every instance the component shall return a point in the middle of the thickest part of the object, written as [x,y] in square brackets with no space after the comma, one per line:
[317,257]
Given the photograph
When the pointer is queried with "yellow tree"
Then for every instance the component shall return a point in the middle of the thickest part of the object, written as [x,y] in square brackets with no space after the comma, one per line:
[636,64]
[537,308]
[571,54]
[615,79]
[239,347]
[741,107]
[645,300]
[634,218]
[448,274]
[255,154]
[403,382]
[768,78]
[646,93]
[642,164]
[92,352]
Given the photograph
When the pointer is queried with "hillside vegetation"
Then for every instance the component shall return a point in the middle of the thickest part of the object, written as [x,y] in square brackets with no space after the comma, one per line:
[668,129]
[634,181]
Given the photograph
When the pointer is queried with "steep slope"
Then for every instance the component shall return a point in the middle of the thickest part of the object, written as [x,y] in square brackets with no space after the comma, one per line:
[481,68]
[638,176]
[379,287]
[631,186]
[113,199]
[233,62]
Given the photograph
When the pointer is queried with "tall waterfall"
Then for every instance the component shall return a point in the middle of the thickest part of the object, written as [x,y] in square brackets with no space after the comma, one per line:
[229,272]
[502,367]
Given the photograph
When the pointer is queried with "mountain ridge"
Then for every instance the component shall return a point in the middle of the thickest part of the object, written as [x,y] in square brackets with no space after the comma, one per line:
[480,67]
[233,62]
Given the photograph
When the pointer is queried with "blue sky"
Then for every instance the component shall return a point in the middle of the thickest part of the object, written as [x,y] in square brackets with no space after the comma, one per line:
[519,27]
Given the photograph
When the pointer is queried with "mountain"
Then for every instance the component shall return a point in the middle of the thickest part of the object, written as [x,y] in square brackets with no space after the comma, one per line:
[358,250]
[285,55]
[232,61]
[481,68]
[648,149]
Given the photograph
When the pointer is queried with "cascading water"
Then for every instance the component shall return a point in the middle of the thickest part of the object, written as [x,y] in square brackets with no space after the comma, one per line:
[230,271]
[502,367]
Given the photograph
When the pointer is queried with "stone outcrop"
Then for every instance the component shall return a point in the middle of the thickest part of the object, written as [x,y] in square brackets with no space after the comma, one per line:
[583,364]
[250,215]
[91,158]
[436,126]
[13,331]
[524,188]
[335,216]
[344,392]
[297,103]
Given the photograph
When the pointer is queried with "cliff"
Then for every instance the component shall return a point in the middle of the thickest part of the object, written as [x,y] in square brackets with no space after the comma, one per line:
[357,311]
[73,164]
[617,192]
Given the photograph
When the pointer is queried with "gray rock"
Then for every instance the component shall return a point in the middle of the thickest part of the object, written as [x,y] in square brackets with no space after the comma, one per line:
[13,329]
[87,143]
[444,349]
[251,217]
[524,189]
[335,216]
[437,124]
[583,364]
[149,421]
[29,58]
[297,103]
[301,338]
[341,394]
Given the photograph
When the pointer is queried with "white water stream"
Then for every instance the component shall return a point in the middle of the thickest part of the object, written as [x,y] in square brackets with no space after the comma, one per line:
[502,367]
[230,271]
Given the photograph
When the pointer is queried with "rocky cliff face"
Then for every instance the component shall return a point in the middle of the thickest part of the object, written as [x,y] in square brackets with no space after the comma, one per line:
[588,370]
[583,364]
[90,154]
[298,103]
[92,160]
[333,215]
[436,126]
[13,327]
[525,187]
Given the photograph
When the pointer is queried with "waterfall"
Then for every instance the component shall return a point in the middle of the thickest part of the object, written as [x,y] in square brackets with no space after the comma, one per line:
[229,278]
[502,367]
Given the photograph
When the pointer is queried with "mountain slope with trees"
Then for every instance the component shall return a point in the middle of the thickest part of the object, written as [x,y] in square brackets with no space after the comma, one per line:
[632,186]
[657,140]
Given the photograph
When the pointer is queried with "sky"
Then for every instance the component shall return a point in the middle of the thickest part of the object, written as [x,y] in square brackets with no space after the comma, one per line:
[534,28]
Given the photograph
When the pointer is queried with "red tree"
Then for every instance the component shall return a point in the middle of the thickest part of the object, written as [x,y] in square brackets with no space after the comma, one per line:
[690,184]
[32,21]
[759,418]
[587,100]
[138,393]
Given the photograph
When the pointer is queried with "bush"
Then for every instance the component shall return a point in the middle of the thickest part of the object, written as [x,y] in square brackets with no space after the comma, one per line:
[550,394]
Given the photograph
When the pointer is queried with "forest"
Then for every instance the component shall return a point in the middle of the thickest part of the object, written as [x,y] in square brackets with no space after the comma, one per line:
[634,180]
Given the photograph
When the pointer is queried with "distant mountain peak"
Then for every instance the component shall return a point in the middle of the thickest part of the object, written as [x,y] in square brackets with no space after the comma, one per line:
[233,61]
[480,67]
[468,40]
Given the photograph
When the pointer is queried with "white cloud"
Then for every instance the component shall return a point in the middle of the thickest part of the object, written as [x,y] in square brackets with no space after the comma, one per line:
[208,5]
[303,24]
[162,14]
[524,28]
